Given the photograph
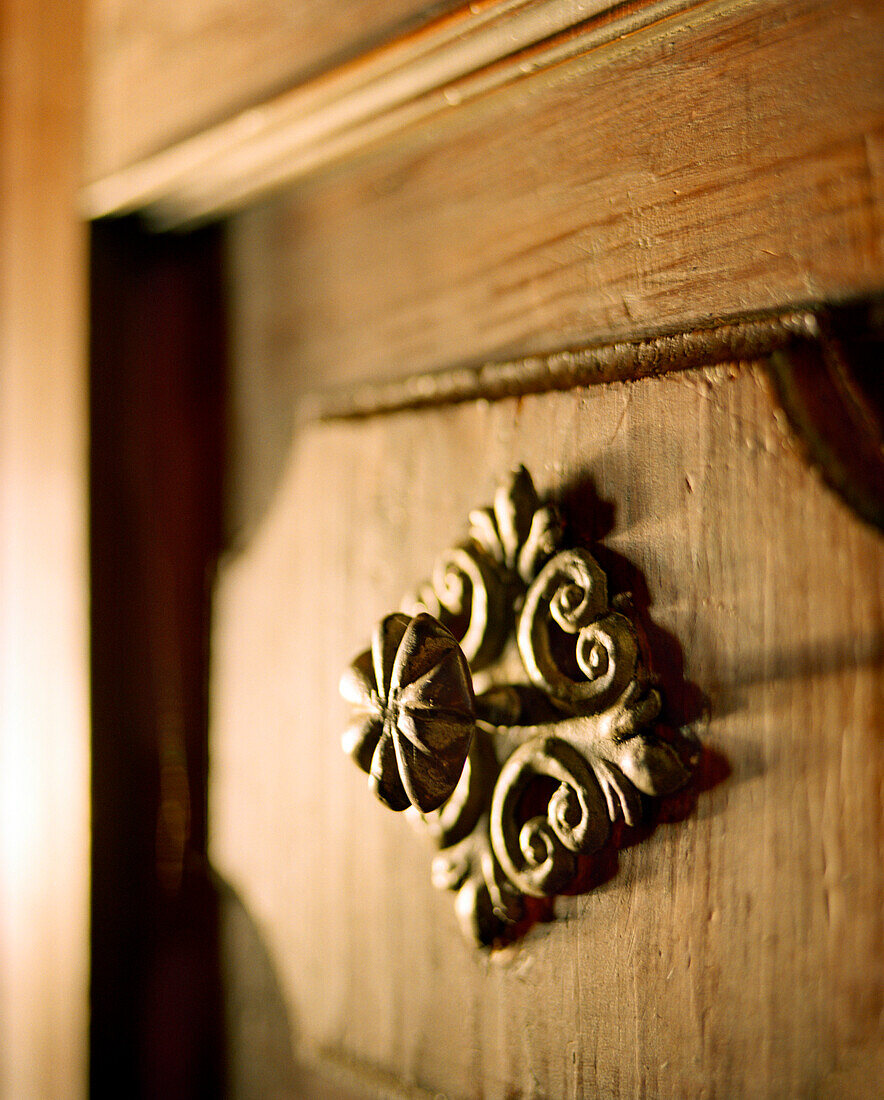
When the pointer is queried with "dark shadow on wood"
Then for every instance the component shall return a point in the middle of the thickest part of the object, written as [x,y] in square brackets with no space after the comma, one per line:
[157,450]
[258,1024]
[832,394]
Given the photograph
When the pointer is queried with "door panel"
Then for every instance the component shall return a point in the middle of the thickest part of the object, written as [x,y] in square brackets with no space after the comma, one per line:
[736,952]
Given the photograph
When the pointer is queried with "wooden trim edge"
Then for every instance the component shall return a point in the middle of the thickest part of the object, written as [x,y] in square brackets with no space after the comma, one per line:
[741,340]
[821,367]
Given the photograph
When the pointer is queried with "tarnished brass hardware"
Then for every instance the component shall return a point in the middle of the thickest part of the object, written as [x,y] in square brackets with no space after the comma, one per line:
[415,712]
[469,766]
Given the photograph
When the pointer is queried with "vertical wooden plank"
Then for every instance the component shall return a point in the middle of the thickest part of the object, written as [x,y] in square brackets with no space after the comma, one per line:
[44,755]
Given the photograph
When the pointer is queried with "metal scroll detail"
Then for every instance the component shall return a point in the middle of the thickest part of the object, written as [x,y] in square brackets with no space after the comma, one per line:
[518,782]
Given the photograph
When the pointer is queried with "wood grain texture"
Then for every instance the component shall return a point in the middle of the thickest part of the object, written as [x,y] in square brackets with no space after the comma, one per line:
[160,70]
[736,953]
[727,160]
[44,677]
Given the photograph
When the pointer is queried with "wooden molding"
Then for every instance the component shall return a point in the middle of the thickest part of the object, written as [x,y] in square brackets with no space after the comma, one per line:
[821,368]
[159,72]
[456,58]
[739,340]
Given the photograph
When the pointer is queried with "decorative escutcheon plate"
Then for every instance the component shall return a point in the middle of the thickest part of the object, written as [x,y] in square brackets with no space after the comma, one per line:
[517,781]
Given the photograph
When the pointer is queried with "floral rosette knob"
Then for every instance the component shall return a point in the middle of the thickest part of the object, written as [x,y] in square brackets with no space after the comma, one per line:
[415,712]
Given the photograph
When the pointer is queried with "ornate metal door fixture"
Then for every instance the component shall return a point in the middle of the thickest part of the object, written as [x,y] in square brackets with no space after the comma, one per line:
[514,781]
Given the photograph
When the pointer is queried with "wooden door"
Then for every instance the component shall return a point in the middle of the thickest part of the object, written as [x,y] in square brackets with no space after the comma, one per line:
[630,249]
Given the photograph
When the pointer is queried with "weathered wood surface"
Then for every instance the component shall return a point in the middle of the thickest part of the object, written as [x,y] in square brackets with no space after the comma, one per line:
[160,70]
[725,160]
[735,953]
[44,676]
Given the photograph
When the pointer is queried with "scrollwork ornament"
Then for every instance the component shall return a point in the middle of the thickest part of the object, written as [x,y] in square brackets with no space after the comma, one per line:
[571,595]
[540,855]
[473,769]
[478,585]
